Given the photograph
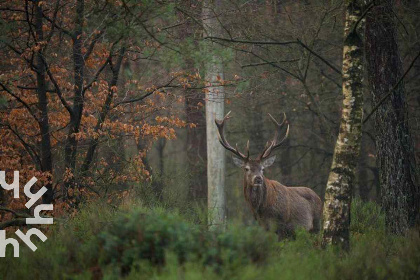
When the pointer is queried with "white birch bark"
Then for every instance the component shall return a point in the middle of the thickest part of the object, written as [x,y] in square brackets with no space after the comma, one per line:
[336,213]
[216,200]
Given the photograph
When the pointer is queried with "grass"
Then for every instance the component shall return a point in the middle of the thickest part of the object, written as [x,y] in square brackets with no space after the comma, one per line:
[101,242]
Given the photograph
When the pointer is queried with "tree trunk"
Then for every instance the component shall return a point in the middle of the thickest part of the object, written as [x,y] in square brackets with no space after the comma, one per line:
[342,175]
[399,190]
[161,150]
[41,90]
[115,70]
[196,148]
[196,137]
[216,200]
[363,171]
[256,127]
[70,149]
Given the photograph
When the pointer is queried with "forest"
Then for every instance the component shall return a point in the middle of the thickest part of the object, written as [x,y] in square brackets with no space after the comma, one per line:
[210,139]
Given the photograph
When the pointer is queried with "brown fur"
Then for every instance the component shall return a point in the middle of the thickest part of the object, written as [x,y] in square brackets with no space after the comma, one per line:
[283,209]
[274,206]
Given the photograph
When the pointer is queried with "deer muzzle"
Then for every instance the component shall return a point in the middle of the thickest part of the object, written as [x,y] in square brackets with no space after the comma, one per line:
[257,181]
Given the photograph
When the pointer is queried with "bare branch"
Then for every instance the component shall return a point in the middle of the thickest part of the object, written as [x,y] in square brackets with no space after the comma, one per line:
[251,42]
[57,88]
[319,56]
[5,88]
[29,148]
[96,76]
[16,214]
[392,90]
[13,223]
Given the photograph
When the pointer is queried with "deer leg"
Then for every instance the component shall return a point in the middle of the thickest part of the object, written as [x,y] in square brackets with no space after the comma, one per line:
[316,225]
[264,224]
[285,231]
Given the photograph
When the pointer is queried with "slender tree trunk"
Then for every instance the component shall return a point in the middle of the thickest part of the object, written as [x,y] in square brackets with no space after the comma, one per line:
[41,90]
[255,110]
[399,189]
[70,149]
[115,69]
[196,148]
[161,150]
[342,175]
[216,200]
[196,137]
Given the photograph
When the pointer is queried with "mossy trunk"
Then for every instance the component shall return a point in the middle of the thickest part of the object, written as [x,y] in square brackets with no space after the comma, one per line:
[342,175]
[395,152]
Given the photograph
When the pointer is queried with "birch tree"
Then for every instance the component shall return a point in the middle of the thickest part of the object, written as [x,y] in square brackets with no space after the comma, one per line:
[216,200]
[342,174]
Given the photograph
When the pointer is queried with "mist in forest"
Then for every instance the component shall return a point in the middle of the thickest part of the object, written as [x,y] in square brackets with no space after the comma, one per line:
[208,138]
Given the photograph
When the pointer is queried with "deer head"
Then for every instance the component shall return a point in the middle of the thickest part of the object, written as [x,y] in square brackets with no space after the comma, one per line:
[253,168]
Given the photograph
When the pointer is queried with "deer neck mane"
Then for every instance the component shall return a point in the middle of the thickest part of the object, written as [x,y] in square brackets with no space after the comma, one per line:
[256,196]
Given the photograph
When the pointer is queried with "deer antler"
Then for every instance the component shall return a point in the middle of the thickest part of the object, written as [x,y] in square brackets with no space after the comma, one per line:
[270,147]
[220,128]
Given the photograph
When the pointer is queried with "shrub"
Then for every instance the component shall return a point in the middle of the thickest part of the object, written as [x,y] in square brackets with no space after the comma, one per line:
[150,234]
[145,243]
[238,245]
[147,235]
[406,264]
[71,248]
[366,217]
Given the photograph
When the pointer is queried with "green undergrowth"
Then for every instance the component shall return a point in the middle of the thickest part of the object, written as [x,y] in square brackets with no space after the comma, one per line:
[101,242]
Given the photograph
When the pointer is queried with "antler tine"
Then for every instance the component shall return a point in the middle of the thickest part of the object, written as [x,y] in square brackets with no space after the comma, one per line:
[274,120]
[222,139]
[274,143]
[246,149]
[222,122]
[267,146]
[246,155]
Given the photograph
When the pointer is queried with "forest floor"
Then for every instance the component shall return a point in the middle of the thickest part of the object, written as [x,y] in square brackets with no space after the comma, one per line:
[138,242]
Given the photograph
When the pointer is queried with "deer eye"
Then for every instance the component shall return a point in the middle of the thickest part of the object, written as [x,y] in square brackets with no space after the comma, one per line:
[247,168]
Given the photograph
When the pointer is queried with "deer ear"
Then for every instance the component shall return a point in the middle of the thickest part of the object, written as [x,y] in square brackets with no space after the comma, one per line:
[238,162]
[269,161]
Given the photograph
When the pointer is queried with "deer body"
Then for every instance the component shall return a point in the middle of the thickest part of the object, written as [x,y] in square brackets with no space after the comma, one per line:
[275,206]
[283,209]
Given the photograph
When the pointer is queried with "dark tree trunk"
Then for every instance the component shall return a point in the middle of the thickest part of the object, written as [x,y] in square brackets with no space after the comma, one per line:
[196,148]
[400,192]
[196,137]
[286,160]
[256,135]
[75,118]
[363,172]
[115,69]
[161,150]
[43,122]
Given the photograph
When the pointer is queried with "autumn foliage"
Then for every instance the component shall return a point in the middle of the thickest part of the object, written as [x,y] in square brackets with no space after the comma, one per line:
[73,99]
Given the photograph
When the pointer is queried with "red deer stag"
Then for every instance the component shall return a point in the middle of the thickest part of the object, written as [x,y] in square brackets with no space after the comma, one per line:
[275,206]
